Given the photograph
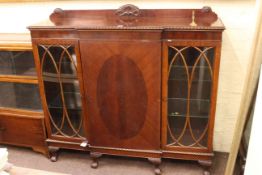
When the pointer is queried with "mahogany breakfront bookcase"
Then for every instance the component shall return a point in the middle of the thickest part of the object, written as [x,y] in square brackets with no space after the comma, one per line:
[130,82]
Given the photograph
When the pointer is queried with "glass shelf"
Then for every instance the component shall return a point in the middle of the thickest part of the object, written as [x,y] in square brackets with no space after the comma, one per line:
[62,75]
[19,63]
[20,96]
[199,89]
[182,66]
[192,81]
[191,99]
[201,73]
[72,101]
[191,116]
[197,107]
[64,78]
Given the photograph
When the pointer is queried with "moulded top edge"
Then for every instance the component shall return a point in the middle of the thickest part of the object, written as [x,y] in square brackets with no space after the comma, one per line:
[130,17]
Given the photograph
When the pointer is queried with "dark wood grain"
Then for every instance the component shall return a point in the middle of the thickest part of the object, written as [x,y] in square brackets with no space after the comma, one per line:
[120,84]
[178,19]
[129,90]
[23,131]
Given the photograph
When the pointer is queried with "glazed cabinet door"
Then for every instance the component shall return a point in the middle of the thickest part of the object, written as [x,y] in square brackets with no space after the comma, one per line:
[190,72]
[122,86]
[59,70]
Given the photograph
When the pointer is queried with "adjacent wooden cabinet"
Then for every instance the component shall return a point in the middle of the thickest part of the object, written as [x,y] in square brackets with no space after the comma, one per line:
[21,116]
[130,82]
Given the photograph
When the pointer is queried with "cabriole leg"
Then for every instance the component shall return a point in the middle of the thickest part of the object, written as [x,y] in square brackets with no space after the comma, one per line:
[95,156]
[156,162]
[53,151]
[206,164]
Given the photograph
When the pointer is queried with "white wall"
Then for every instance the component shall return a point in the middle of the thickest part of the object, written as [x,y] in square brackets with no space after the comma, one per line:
[237,16]
[253,161]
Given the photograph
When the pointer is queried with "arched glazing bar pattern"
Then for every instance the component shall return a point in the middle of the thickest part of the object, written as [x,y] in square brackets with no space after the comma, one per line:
[61,86]
[190,76]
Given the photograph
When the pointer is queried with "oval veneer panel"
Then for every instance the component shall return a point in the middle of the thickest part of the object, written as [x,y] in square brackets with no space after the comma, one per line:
[122,97]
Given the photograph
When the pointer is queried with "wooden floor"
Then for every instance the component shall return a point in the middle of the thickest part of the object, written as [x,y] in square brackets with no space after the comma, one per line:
[78,163]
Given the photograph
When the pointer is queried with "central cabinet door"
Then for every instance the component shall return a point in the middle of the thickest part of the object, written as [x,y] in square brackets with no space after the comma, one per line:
[122,88]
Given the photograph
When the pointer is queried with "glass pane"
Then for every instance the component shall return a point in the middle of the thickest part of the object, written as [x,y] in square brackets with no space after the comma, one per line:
[19,95]
[201,76]
[59,70]
[17,63]
[63,57]
[189,93]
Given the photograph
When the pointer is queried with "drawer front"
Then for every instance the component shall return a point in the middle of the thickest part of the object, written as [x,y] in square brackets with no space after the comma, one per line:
[22,131]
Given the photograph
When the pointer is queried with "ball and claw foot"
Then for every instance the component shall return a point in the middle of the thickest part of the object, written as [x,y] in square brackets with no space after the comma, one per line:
[157,171]
[206,172]
[95,156]
[53,152]
[94,164]
[53,158]
[156,162]
[206,164]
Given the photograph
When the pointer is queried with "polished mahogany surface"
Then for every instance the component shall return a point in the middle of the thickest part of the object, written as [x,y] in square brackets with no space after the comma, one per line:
[147,79]
[131,17]
[122,86]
